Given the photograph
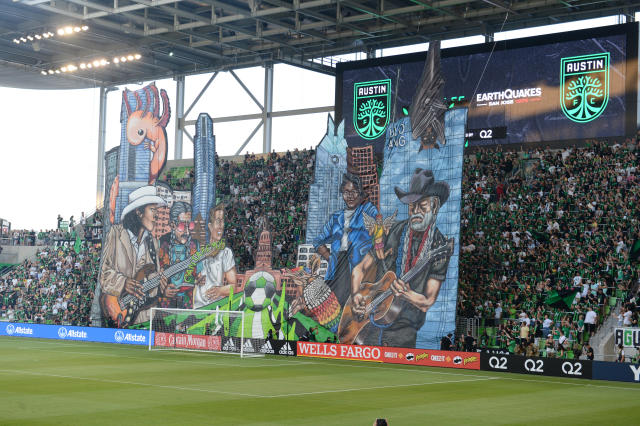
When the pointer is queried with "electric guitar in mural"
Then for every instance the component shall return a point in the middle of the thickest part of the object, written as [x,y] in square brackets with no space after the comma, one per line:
[382,307]
[123,309]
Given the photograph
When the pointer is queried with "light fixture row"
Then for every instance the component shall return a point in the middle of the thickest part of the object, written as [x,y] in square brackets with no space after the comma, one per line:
[97,63]
[30,38]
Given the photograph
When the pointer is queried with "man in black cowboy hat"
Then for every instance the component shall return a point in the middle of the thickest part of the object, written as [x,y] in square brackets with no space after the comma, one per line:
[410,240]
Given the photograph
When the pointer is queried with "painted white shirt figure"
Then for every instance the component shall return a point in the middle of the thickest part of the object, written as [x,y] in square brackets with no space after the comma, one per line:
[213,269]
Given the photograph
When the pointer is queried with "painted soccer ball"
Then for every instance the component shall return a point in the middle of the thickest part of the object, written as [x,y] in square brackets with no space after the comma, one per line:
[259,290]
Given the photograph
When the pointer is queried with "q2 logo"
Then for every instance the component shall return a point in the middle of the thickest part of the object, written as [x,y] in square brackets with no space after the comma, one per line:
[534,366]
[571,368]
[498,362]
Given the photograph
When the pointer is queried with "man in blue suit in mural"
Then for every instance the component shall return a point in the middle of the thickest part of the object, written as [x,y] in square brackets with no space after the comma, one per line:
[346,232]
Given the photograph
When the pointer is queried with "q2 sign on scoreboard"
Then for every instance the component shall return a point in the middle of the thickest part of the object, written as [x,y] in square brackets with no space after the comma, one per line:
[576,86]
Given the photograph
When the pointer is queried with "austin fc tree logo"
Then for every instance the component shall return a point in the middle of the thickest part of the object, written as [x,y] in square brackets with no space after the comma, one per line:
[371,107]
[585,86]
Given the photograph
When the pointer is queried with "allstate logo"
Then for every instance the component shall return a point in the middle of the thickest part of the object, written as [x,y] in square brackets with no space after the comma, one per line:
[62,332]
[11,329]
[119,336]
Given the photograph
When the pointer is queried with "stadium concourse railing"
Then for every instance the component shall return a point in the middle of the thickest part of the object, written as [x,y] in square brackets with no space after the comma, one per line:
[488,360]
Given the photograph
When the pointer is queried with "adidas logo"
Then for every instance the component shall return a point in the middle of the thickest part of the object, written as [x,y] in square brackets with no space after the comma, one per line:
[267,348]
[286,350]
[248,347]
[229,346]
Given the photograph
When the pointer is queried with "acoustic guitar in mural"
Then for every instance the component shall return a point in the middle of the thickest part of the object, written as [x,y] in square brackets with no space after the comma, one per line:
[382,307]
[123,309]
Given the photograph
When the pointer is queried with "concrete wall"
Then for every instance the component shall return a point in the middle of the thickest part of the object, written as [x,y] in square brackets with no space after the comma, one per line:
[17,254]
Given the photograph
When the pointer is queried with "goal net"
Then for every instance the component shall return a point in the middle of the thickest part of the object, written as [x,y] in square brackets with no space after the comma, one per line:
[203,330]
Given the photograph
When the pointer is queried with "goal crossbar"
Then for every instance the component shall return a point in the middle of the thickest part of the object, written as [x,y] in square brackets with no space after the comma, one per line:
[217,331]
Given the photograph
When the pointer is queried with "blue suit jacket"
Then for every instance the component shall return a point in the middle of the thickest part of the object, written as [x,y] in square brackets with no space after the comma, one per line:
[359,238]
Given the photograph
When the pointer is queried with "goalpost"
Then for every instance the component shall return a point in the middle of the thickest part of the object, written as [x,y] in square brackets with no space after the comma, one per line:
[203,330]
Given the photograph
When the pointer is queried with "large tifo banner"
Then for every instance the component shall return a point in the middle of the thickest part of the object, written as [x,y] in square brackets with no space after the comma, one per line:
[379,265]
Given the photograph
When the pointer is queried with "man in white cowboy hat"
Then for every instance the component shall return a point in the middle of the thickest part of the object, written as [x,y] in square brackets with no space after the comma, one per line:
[129,247]
[410,241]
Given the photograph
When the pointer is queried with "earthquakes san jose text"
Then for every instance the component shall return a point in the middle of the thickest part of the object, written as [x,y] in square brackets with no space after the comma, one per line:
[509,94]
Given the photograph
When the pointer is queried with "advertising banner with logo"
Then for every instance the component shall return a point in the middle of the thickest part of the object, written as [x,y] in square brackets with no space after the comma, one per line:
[466,360]
[537,366]
[64,332]
[616,371]
[187,341]
[537,89]
[628,337]
[259,346]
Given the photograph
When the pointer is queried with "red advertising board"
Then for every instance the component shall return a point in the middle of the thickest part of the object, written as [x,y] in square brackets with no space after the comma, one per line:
[187,341]
[431,358]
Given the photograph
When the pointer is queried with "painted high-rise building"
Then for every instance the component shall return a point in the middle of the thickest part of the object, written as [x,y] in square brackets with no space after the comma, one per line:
[204,188]
[360,161]
[110,173]
[324,192]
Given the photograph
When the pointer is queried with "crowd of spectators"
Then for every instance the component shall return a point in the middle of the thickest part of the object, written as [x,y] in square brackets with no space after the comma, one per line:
[90,228]
[268,191]
[56,287]
[180,178]
[547,223]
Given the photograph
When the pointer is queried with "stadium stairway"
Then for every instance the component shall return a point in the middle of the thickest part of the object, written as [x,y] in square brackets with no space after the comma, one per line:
[602,341]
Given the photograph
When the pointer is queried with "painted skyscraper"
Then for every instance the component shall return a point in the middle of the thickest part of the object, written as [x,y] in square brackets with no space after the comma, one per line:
[324,192]
[204,188]
[360,161]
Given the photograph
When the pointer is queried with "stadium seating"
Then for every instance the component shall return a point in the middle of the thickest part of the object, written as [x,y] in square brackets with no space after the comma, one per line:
[547,223]
[54,288]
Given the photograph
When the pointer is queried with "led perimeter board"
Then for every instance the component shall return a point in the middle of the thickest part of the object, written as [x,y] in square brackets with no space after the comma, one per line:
[560,87]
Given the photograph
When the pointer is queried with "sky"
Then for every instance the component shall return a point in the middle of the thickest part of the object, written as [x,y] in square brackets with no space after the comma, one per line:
[48,156]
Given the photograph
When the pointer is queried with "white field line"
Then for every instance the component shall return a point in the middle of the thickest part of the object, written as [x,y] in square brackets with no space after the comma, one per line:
[191,389]
[157,354]
[300,361]
[122,382]
[376,387]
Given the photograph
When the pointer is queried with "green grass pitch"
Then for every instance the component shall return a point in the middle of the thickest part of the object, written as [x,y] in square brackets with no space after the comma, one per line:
[78,383]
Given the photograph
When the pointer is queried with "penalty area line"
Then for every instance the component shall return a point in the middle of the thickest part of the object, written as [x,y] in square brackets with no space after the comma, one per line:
[375,388]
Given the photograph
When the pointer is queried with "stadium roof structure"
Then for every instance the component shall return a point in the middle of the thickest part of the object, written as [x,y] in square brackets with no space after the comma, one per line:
[183,37]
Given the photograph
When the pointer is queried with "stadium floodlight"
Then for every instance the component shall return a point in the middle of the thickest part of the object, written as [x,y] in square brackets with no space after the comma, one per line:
[137,56]
[43,72]
[204,331]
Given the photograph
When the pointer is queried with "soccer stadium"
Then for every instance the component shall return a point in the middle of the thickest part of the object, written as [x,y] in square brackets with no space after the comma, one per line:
[318,212]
